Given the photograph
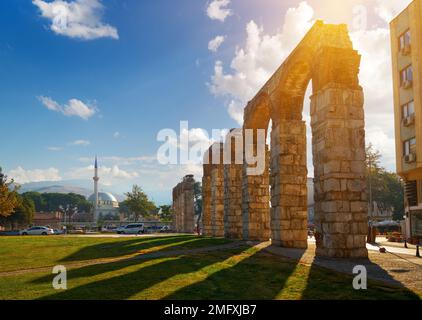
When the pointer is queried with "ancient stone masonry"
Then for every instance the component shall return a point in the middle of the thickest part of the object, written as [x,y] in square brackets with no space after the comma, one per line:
[256,203]
[184,206]
[237,203]
[288,184]
[233,221]
[213,192]
[339,154]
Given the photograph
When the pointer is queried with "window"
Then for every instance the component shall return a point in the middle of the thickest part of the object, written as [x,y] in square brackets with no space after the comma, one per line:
[408,109]
[406,74]
[409,146]
[404,40]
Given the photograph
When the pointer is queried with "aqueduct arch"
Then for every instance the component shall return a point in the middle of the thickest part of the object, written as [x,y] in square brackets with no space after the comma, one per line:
[325,56]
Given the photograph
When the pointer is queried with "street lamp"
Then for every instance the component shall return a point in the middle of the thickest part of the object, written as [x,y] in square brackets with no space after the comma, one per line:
[68,210]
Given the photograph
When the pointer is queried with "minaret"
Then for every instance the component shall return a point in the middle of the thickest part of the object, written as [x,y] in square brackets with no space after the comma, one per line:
[96,178]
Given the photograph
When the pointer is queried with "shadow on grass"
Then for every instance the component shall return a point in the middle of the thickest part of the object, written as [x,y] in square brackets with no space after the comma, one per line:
[150,272]
[132,246]
[260,276]
[241,273]
[324,283]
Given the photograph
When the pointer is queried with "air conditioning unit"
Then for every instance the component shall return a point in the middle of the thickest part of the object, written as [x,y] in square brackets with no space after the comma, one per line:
[406,50]
[407,84]
[408,121]
[410,158]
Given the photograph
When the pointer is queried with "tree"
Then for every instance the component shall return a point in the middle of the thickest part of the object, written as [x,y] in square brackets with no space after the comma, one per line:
[166,212]
[9,199]
[24,212]
[138,203]
[197,194]
[50,202]
[385,188]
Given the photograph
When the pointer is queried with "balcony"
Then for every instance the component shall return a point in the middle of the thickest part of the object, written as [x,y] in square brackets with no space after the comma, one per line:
[407,84]
[406,50]
[410,158]
[408,121]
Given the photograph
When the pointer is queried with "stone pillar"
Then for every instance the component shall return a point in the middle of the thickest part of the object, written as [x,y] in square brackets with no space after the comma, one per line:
[217,200]
[255,203]
[233,222]
[206,205]
[339,156]
[233,166]
[188,204]
[183,206]
[288,184]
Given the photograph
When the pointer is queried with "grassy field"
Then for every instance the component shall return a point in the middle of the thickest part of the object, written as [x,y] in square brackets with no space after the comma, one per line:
[235,273]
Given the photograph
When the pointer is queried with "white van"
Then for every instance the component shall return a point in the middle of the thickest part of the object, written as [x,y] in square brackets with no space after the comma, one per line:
[134,228]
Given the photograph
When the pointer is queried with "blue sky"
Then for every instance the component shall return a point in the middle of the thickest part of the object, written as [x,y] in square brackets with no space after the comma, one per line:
[147,67]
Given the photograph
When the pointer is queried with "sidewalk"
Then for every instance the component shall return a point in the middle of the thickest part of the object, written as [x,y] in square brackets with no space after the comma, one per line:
[392,267]
[391,247]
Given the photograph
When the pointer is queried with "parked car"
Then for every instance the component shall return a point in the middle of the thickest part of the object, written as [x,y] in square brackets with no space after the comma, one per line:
[134,228]
[165,229]
[36,231]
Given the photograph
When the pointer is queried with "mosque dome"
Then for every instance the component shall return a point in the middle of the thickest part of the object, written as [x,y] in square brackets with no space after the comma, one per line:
[105,199]
[103,196]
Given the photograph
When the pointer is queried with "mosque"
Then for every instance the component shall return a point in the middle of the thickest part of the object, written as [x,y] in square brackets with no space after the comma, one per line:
[105,204]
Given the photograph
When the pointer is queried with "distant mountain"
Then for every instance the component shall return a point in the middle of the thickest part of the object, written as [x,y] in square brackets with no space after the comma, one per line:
[60,187]
[43,187]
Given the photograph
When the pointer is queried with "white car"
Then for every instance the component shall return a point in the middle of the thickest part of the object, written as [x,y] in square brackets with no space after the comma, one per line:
[37,231]
[134,228]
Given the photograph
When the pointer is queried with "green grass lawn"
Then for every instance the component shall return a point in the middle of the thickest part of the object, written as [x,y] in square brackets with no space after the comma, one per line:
[33,252]
[237,273]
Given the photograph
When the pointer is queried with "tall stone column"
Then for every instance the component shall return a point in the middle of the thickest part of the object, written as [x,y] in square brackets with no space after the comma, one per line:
[255,203]
[184,206]
[233,224]
[188,204]
[181,206]
[233,166]
[339,156]
[206,205]
[288,184]
[217,202]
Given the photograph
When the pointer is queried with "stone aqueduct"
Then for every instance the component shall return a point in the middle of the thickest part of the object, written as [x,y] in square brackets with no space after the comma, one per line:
[273,205]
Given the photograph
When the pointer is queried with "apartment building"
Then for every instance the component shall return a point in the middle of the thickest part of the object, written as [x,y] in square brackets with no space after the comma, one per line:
[406,45]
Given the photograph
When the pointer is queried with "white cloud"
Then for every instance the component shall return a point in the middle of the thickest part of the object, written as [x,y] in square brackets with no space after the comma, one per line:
[217,10]
[74,107]
[81,142]
[388,9]
[116,135]
[215,43]
[76,19]
[21,175]
[107,174]
[252,65]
